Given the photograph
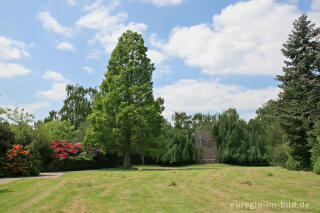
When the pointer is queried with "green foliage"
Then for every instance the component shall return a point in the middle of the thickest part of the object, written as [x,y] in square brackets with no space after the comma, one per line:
[269,174]
[179,140]
[172,183]
[81,131]
[180,147]
[60,130]
[247,182]
[240,142]
[229,132]
[18,161]
[74,163]
[84,184]
[41,146]
[314,142]
[298,104]
[7,138]
[23,134]
[200,188]
[125,114]
[77,105]
[271,135]
[203,121]
[2,112]
[20,125]
[19,117]
[316,166]
[255,139]
[53,116]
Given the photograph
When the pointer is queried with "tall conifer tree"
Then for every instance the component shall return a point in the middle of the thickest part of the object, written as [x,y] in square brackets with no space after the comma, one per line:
[125,112]
[295,103]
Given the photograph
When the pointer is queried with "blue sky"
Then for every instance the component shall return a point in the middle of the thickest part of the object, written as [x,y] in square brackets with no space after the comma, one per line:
[209,55]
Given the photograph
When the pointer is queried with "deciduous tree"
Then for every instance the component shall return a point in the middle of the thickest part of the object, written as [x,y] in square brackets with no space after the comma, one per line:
[125,106]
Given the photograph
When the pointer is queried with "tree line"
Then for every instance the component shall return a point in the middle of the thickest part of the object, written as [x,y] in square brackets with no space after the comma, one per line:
[124,120]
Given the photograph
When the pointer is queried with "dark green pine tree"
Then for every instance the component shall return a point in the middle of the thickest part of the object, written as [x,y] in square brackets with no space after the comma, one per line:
[124,112]
[295,105]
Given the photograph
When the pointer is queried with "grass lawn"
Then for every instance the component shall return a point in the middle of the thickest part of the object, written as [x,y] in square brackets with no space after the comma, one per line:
[196,188]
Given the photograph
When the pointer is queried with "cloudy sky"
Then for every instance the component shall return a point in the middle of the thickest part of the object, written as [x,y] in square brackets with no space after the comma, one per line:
[209,54]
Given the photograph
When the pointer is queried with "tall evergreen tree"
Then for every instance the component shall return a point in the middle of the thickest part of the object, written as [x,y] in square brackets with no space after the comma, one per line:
[125,105]
[295,105]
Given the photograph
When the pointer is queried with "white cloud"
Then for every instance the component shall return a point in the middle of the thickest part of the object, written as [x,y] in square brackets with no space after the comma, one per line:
[245,38]
[8,70]
[161,70]
[155,42]
[108,27]
[72,2]
[248,116]
[12,49]
[65,46]
[315,5]
[292,1]
[89,70]
[50,23]
[156,56]
[161,3]
[34,106]
[94,54]
[57,92]
[211,96]
[54,76]
[314,14]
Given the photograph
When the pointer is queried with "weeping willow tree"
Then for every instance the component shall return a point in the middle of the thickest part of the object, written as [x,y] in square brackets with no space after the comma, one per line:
[180,140]
[239,142]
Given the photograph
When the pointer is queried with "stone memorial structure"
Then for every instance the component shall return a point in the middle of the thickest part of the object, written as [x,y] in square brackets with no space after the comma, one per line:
[207,150]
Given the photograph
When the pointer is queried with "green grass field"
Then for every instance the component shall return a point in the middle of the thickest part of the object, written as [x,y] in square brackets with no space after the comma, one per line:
[196,188]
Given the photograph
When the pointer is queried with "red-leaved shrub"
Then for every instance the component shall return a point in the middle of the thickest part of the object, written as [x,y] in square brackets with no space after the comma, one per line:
[64,149]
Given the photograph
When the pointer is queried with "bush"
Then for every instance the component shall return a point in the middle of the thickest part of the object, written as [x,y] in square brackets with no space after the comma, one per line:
[247,182]
[278,156]
[72,156]
[62,130]
[7,138]
[172,183]
[41,147]
[293,164]
[314,142]
[64,149]
[269,174]
[316,166]
[19,162]
[74,163]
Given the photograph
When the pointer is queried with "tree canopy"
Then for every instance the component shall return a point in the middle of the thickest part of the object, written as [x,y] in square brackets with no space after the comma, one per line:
[298,103]
[125,112]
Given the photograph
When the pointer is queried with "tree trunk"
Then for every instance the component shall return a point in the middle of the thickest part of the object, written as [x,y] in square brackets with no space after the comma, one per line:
[127,152]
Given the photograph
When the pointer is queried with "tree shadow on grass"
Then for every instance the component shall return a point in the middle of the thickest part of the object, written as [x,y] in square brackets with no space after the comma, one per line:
[121,169]
[4,190]
[160,169]
[176,169]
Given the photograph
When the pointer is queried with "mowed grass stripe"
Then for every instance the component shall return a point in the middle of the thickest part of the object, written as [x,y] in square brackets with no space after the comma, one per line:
[199,188]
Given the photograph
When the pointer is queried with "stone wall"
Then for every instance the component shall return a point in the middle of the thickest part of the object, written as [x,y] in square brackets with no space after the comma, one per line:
[206,147]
